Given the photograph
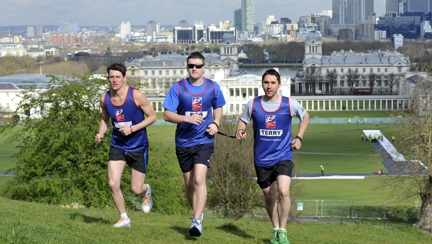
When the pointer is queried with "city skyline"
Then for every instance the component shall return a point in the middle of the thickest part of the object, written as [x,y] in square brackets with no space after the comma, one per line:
[167,12]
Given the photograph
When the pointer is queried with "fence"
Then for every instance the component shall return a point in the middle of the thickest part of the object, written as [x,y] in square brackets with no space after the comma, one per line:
[353,209]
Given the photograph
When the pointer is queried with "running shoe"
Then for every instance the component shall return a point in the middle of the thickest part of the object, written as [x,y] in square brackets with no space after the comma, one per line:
[123,222]
[274,239]
[196,228]
[147,202]
[283,239]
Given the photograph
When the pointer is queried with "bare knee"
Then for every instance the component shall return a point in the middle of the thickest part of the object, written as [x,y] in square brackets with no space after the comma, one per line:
[284,194]
[114,185]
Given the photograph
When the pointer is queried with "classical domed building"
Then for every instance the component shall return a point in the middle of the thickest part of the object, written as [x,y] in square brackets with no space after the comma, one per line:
[348,72]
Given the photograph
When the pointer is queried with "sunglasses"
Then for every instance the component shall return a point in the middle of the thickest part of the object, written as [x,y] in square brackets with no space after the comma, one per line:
[198,66]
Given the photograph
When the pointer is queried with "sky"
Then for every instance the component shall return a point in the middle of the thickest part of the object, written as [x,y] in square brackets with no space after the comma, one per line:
[138,12]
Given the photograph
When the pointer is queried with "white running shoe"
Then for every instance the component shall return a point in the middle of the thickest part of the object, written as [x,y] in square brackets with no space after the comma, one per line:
[147,202]
[196,228]
[123,222]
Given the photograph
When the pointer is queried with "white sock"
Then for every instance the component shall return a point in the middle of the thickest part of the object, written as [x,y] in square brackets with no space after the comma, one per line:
[124,215]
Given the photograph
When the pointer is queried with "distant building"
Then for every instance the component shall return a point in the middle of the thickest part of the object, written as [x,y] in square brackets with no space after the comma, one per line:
[344,64]
[152,28]
[30,31]
[194,34]
[418,6]
[238,19]
[125,30]
[397,40]
[248,15]
[159,73]
[365,30]
[39,30]
[183,24]
[67,27]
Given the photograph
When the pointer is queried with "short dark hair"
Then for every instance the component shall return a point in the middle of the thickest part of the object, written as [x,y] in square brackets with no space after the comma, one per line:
[271,72]
[118,67]
[196,55]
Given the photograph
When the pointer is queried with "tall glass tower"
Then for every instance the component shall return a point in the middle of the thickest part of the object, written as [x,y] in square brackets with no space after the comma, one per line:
[248,15]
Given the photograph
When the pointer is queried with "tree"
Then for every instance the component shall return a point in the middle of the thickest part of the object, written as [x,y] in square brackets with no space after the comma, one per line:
[108,51]
[311,76]
[233,191]
[332,79]
[352,77]
[393,81]
[416,145]
[254,52]
[371,80]
[59,162]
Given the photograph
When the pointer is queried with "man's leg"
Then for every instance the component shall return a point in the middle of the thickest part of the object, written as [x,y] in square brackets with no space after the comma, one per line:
[284,202]
[196,188]
[115,171]
[200,193]
[270,204]
[137,182]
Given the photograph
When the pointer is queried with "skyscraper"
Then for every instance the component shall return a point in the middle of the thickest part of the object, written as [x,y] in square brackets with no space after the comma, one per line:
[152,28]
[351,11]
[369,8]
[335,11]
[238,19]
[125,29]
[248,15]
[419,6]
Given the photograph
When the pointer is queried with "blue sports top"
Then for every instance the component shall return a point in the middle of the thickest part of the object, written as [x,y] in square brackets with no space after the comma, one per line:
[187,99]
[272,133]
[127,114]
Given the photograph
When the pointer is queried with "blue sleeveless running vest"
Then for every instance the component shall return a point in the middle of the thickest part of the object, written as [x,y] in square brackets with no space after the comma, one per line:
[272,133]
[188,135]
[127,114]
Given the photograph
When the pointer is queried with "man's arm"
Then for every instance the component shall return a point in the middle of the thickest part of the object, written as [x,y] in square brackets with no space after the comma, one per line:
[241,130]
[103,124]
[173,117]
[141,100]
[296,142]
[217,116]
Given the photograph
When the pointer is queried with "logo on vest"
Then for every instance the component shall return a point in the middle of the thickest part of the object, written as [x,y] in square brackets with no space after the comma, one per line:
[270,121]
[119,115]
[196,103]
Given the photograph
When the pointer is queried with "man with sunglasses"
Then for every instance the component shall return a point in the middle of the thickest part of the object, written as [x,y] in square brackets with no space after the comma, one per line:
[195,105]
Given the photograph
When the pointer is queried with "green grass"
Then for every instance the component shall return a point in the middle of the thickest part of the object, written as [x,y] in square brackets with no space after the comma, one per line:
[25,222]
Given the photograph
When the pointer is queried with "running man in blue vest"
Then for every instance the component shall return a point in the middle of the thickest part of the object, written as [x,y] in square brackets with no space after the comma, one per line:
[127,108]
[195,105]
[273,147]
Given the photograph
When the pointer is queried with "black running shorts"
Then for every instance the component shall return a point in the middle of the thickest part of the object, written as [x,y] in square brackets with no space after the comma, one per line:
[137,160]
[189,156]
[267,175]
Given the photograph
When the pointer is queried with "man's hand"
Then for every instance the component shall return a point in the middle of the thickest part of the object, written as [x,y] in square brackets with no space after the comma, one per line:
[99,138]
[195,119]
[240,134]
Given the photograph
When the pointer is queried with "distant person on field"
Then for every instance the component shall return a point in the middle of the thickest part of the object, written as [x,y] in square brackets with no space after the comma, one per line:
[271,115]
[322,170]
[127,108]
[195,105]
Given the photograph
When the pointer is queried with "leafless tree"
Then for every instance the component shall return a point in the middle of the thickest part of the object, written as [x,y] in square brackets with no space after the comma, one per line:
[392,81]
[332,79]
[352,78]
[415,143]
[254,52]
[311,76]
[371,80]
